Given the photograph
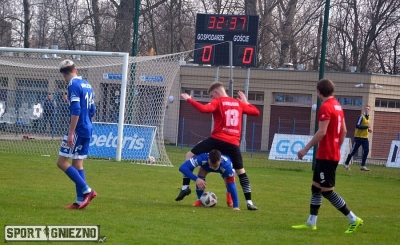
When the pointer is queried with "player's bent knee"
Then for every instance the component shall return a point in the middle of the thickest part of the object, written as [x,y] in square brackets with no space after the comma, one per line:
[63,165]
[240,171]
[315,189]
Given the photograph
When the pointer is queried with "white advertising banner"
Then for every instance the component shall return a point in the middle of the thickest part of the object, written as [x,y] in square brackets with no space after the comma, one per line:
[285,147]
[393,160]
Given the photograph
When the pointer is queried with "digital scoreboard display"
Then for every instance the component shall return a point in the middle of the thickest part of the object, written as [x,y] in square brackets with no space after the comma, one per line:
[212,29]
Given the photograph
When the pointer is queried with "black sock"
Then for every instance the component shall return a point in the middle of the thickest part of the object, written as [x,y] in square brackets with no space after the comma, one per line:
[316,200]
[185,181]
[245,183]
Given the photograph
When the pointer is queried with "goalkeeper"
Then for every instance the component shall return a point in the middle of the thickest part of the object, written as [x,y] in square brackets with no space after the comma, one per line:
[211,162]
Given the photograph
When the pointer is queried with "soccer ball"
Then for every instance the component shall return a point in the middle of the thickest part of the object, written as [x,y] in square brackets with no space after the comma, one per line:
[208,199]
[151,160]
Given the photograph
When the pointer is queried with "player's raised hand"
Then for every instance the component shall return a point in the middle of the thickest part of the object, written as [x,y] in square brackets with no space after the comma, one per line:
[185,96]
[242,97]
[201,184]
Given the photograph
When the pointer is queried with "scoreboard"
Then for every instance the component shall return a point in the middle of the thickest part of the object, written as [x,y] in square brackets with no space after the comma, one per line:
[214,30]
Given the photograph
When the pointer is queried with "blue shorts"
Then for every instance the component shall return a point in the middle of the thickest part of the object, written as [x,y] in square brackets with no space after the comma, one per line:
[78,151]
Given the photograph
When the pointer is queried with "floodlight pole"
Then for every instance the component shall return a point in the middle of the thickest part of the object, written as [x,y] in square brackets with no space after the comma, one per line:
[134,53]
[321,68]
[135,28]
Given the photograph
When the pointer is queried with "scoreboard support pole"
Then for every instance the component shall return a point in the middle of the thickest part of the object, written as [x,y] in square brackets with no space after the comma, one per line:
[216,74]
[243,146]
[216,79]
[230,68]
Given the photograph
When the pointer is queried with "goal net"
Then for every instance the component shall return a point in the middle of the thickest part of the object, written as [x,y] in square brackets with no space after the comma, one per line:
[131,94]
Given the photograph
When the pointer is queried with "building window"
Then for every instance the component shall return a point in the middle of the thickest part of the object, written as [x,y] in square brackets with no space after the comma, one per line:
[253,96]
[196,93]
[303,99]
[387,103]
[350,101]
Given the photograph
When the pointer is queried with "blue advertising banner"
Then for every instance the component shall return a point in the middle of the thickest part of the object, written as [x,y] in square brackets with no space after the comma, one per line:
[112,76]
[147,78]
[137,141]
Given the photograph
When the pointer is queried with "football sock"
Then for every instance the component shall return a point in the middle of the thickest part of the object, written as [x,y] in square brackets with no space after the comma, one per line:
[245,183]
[249,202]
[185,183]
[312,219]
[351,217]
[73,174]
[79,193]
[198,191]
[336,201]
[316,200]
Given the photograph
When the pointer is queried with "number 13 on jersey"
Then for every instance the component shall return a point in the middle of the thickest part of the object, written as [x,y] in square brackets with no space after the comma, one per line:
[232,117]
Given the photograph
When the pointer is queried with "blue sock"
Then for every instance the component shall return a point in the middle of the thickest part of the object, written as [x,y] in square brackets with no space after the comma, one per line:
[79,193]
[198,191]
[73,174]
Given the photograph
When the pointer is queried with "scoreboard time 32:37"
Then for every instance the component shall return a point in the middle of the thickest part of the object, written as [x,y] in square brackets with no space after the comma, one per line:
[214,30]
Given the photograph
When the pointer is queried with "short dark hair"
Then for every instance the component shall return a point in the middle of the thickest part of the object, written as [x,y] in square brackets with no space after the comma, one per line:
[326,87]
[214,156]
[214,86]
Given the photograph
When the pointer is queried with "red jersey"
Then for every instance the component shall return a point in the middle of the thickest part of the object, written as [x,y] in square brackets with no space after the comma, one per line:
[227,113]
[328,147]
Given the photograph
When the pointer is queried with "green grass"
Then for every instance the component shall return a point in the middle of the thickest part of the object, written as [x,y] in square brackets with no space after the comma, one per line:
[135,203]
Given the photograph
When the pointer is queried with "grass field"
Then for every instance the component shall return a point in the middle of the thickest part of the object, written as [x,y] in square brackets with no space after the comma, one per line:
[135,203]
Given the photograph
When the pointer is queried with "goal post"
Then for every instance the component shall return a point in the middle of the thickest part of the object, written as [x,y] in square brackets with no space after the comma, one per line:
[131,94]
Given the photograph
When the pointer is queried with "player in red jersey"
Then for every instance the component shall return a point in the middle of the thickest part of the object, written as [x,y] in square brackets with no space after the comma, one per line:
[225,137]
[330,136]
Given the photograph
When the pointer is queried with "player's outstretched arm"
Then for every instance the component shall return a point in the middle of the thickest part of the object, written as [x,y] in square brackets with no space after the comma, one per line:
[187,170]
[231,187]
[207,108]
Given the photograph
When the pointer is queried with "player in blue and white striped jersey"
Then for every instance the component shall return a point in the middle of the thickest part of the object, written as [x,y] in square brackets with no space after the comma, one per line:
[211,162]
[76,141]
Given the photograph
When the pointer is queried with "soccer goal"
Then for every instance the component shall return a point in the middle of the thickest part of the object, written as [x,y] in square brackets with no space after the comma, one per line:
[131,94]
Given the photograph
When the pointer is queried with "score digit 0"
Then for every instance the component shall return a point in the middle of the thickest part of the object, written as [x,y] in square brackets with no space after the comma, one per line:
[206,54]
[248,55]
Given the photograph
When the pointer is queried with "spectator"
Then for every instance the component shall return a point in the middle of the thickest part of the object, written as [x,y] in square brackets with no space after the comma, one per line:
[363,128]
